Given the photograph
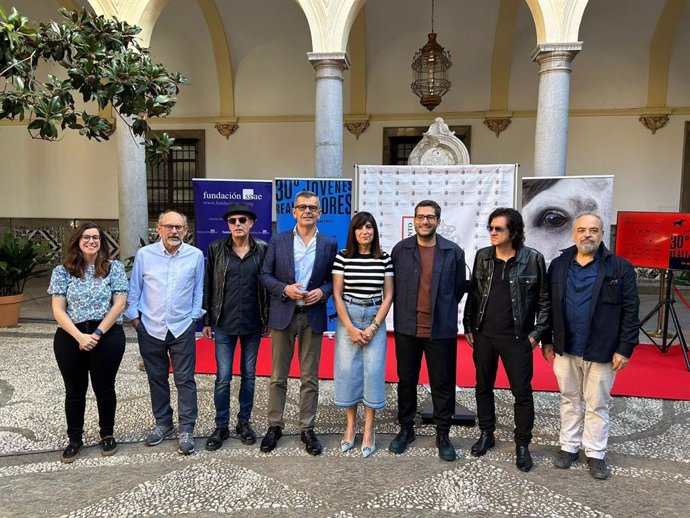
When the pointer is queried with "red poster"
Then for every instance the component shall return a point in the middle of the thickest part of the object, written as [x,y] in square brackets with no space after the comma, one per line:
[654,239]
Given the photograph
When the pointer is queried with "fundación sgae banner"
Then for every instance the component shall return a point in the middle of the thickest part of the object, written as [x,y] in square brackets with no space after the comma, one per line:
[212,198]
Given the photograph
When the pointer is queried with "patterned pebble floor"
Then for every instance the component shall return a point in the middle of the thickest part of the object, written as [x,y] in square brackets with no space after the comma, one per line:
[649,453]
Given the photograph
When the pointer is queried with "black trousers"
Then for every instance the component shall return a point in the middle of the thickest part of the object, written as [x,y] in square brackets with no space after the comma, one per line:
[101,363]
[516,356]
[440,360]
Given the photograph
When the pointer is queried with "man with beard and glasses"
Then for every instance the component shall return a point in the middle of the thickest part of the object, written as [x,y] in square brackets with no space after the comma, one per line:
[595,329]
[430,280]
[164,303]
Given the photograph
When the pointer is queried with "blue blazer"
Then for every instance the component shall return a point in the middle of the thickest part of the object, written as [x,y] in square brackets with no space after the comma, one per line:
[278,271]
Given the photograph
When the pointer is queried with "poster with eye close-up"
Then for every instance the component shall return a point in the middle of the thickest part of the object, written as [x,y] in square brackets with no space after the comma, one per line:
[550,206]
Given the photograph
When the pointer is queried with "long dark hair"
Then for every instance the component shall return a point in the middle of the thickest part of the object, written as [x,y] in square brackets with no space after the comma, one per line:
[74,259]
[516,225]
[358,221]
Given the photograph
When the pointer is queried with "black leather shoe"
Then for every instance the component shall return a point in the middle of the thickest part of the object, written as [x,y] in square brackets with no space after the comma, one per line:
[313,444]
[216,439]
[71,452]
[108,446]
[270,440]
[486,441]
[399,444]
[446,450]
[523,459]
[246,433]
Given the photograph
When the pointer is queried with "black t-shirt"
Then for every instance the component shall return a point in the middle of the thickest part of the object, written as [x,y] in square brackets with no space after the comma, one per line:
[498,315]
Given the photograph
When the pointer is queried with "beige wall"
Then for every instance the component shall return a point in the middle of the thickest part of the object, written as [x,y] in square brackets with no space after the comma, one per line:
[272,78]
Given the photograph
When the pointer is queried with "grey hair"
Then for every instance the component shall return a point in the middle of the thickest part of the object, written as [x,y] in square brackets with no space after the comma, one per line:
[163,214]
[306,194]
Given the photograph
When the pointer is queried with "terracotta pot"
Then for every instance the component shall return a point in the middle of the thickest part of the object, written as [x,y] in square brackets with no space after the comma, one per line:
[9,310]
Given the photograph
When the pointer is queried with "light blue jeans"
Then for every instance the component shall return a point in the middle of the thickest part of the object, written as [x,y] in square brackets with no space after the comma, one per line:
[360,371]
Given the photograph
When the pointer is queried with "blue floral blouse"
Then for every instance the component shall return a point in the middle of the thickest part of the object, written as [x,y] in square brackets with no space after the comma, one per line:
[89,298]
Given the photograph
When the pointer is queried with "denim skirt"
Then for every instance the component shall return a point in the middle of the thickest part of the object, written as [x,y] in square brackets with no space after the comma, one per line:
[360,371]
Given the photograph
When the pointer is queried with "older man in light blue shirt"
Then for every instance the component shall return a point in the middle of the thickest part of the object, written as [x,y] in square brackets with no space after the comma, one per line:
[164,303]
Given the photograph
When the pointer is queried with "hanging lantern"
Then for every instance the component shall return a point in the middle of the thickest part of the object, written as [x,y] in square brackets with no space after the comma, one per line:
[430,65]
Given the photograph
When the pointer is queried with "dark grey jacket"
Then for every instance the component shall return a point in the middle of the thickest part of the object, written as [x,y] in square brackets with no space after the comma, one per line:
[448,285]
[214,280]
[529,292]
[614,322]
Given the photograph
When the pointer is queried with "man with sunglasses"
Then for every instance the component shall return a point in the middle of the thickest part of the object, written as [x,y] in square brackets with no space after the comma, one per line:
[236,307]
[506,314]
[297,273]
[164,303]
[430,280]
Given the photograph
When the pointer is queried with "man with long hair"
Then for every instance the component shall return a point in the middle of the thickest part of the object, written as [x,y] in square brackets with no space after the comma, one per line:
[507,312]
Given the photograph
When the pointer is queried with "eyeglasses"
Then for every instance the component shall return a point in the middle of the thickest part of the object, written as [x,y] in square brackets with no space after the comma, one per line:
[170,228]
[241,220]
[430,218]
[86,238]
[498,230]
[302,208]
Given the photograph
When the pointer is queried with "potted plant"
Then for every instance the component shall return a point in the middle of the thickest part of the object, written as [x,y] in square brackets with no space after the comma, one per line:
[20,260]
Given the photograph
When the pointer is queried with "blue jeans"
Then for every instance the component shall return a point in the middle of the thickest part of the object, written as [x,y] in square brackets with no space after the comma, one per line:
[360,370]
[225,354]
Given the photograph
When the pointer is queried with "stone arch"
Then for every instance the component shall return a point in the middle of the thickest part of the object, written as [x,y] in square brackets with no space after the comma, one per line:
[221,52]
[503,54]
[143,13]
[660,52]
[557,21]
[330,22]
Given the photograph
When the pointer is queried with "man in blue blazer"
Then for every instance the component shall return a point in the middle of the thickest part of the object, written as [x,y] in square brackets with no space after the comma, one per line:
[297,273]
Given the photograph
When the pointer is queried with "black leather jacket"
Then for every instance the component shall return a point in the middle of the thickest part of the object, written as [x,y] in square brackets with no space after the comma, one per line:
[529,291]
[214,280]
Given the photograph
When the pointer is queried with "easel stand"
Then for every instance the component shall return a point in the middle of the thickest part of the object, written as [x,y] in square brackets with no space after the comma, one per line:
[668,308]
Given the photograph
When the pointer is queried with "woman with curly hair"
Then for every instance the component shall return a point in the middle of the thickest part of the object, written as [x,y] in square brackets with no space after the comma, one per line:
[89,295]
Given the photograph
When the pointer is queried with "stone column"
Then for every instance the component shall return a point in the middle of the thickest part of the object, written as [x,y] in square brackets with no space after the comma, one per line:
[329,68]
[132,200]
[551,134]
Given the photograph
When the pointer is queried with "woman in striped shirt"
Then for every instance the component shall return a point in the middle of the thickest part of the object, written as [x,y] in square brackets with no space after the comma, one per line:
[363,294]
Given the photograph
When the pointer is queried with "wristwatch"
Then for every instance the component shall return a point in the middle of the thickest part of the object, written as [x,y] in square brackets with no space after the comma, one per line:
[98,332]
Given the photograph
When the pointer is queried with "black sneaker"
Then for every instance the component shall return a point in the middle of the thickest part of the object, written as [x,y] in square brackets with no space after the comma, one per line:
[216,439]
[598,468]
[564,459]
[246,433]
[270,440]
[108,446]
[446,450]
[399,444]
[71,452]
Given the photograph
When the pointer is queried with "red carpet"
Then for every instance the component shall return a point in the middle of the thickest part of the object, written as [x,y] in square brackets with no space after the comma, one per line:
[650,372]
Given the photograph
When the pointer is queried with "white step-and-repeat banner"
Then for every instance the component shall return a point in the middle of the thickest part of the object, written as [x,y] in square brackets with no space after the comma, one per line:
[466,193]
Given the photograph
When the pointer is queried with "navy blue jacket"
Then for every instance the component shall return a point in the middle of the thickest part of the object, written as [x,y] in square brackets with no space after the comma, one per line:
[614,322]
[448,285]
[278,271]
